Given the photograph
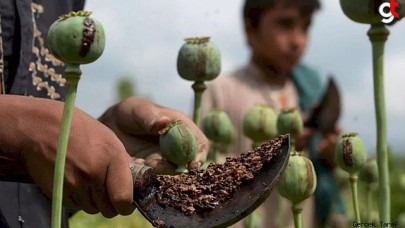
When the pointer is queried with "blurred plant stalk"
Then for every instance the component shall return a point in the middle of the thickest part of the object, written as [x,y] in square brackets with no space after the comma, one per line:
[369,175]
[378,34]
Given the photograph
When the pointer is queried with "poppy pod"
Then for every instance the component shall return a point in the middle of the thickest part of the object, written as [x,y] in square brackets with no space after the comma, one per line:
[369,172]
[259,123]
[299,179]
[218,127]
[199,59]
[76,38]
[289,121]
[362,11]
[350,152]
[178,145]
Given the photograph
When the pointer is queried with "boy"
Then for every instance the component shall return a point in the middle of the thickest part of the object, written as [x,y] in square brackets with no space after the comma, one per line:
[277,34]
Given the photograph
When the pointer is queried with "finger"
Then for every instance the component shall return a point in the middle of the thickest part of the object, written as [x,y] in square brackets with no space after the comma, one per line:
[302,140]
[150,125]
[308,132]
[195,164]
[202,141]
[333,139]
[80,198]
[137,146]
[323,145]
[139,161]
[77,191]
[102,199]
[159,165]
[139,116]
[119,185]
[201,155]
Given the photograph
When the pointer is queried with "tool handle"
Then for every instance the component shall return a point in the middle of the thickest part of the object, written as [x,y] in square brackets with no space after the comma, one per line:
[141,175]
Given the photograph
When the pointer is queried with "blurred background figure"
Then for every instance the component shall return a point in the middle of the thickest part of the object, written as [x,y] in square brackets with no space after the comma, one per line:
[277,33]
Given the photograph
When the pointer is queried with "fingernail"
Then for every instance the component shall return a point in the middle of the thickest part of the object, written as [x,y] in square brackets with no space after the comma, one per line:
[160,124]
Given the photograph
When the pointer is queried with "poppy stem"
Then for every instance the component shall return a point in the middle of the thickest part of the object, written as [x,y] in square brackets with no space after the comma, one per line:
[353,185]
[378,34]
[72,75]
[198,87]
[297,211]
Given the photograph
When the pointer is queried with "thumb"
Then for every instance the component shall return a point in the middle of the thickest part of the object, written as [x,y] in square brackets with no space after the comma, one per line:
[137,116]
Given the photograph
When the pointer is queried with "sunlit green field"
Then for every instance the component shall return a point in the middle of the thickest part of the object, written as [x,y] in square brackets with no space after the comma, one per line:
[84,220]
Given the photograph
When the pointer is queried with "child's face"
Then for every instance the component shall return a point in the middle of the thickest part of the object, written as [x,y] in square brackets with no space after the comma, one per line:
[281,37]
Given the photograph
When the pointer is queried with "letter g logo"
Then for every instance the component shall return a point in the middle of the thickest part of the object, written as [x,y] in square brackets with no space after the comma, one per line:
[387,16]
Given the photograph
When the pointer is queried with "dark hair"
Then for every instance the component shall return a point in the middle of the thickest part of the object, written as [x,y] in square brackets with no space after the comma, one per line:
[253,9]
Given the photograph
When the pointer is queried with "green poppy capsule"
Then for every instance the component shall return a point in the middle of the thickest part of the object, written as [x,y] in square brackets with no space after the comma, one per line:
[362,11]
[299,179]
[75,38]
[369,172]
[178,145]
[259,123]
[199,59]
[350,152]
[289,121]
[218,127]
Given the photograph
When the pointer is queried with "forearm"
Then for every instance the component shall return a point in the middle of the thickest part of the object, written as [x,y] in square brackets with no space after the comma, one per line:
[12,140]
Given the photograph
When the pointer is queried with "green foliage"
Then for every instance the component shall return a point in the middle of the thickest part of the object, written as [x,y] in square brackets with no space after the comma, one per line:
[84,220]
[397,171]
[397,191]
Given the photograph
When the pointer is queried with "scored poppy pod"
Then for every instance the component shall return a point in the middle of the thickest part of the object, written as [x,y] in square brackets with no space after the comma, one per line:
[178,145]
[299,179]
[76,38]
[350,152]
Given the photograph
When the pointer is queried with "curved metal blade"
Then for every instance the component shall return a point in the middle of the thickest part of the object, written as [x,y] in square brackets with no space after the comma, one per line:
[245,200]
[325,116]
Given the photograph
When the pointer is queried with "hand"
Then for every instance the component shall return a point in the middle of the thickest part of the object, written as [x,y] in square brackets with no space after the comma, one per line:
[97,174]
[325,147]
[137,121]
[301,142]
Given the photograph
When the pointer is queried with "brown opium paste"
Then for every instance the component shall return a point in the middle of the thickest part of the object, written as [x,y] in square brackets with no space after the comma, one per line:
[201,191]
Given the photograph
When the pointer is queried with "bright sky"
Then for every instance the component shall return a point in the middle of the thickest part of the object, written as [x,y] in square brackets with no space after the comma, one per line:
[143,39]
